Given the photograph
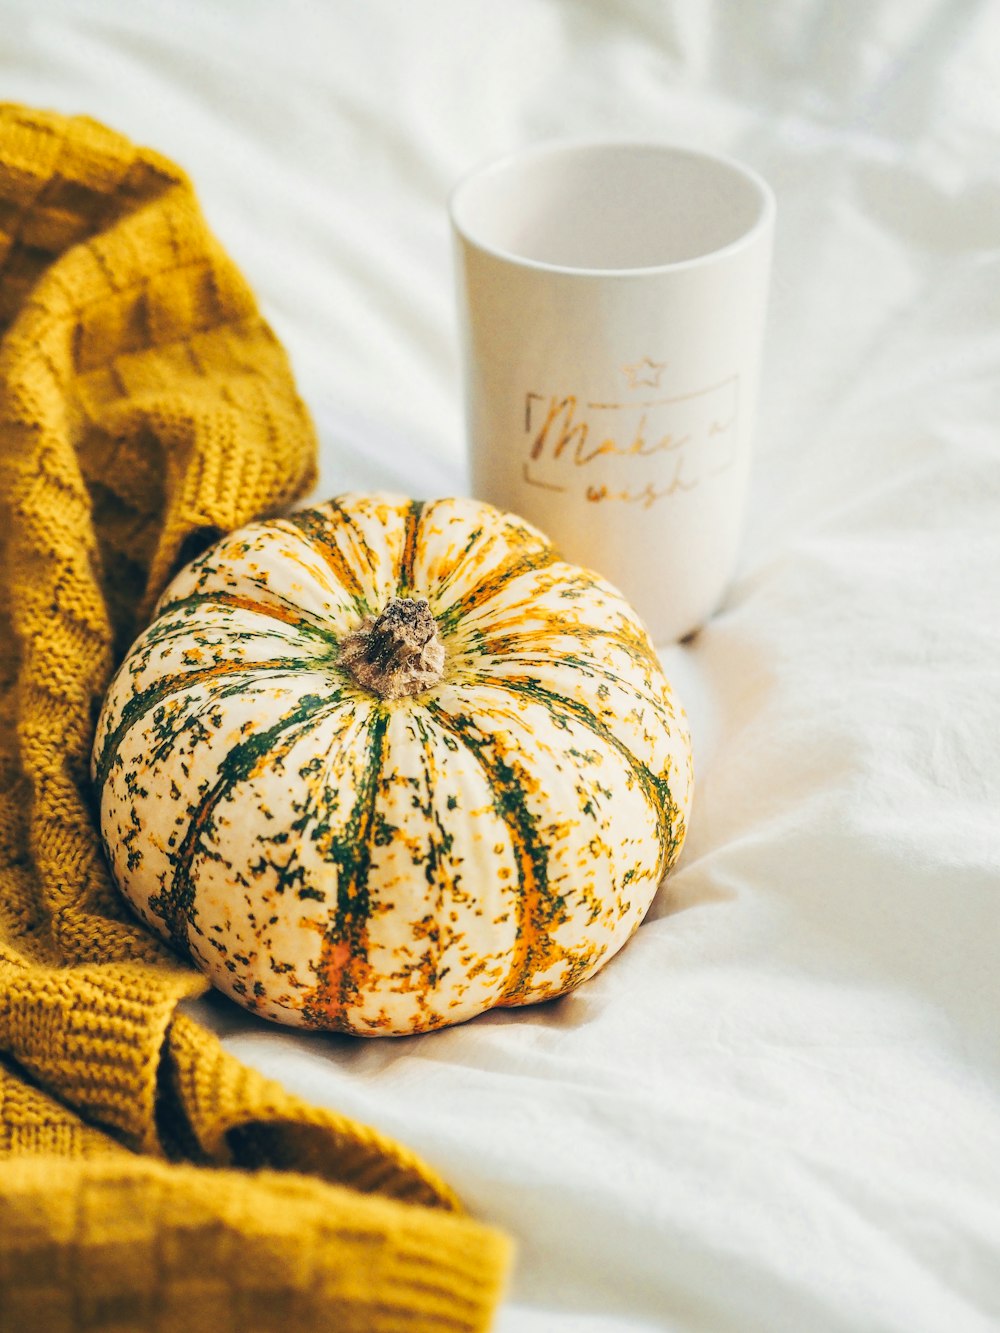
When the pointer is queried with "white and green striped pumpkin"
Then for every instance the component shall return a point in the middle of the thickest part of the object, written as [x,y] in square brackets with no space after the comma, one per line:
[383,764]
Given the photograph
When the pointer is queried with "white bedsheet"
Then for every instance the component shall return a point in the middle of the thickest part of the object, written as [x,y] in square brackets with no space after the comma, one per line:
[779,1108]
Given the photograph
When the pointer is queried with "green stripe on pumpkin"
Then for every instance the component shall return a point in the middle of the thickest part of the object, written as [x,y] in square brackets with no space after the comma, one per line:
[232,633]
[319,530]
[343,968]
[281,610]
[588,667]
[524,562]
[175,906]
[414,512]
[629,637]
[139,705]
[444,577]
[654,786]
[540,909]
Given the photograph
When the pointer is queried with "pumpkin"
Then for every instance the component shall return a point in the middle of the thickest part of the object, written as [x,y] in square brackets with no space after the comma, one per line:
[381,765]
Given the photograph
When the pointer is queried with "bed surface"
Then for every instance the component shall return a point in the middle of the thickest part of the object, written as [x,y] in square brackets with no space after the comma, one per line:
[779,1107]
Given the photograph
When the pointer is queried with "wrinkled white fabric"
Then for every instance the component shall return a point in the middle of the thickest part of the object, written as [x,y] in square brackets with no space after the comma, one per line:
[779,1108]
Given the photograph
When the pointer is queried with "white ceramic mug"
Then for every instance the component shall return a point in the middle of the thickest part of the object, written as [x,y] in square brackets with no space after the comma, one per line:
[611,307]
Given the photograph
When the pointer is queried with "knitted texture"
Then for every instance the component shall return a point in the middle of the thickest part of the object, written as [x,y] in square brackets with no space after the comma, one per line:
[145,407]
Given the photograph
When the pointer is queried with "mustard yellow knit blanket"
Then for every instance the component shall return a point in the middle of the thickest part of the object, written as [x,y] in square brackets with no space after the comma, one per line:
[149,1181]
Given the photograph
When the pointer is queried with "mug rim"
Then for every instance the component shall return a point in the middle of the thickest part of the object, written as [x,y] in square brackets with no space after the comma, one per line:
[557,147]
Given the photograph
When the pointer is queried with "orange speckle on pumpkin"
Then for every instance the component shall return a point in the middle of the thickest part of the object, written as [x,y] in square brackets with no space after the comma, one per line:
[337,957]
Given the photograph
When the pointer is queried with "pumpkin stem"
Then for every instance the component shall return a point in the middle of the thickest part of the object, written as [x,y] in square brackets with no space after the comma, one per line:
[398,652]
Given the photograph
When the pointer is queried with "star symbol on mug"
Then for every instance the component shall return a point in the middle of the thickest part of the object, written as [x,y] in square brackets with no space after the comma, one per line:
[645,371]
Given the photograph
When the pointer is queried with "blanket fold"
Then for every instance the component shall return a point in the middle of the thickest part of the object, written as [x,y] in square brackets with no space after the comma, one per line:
[145,407]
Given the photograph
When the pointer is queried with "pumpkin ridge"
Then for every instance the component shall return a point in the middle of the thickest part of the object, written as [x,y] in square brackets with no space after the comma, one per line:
[191,720]
[407,560]
[429,966]
[343,954]
[313,526]
[443,580]
[462,564]
[655,787]
[521,563]
[139,705]
[174,905]
[287,615]
[584,665]
[539,911]
[233,632]
[624,636]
